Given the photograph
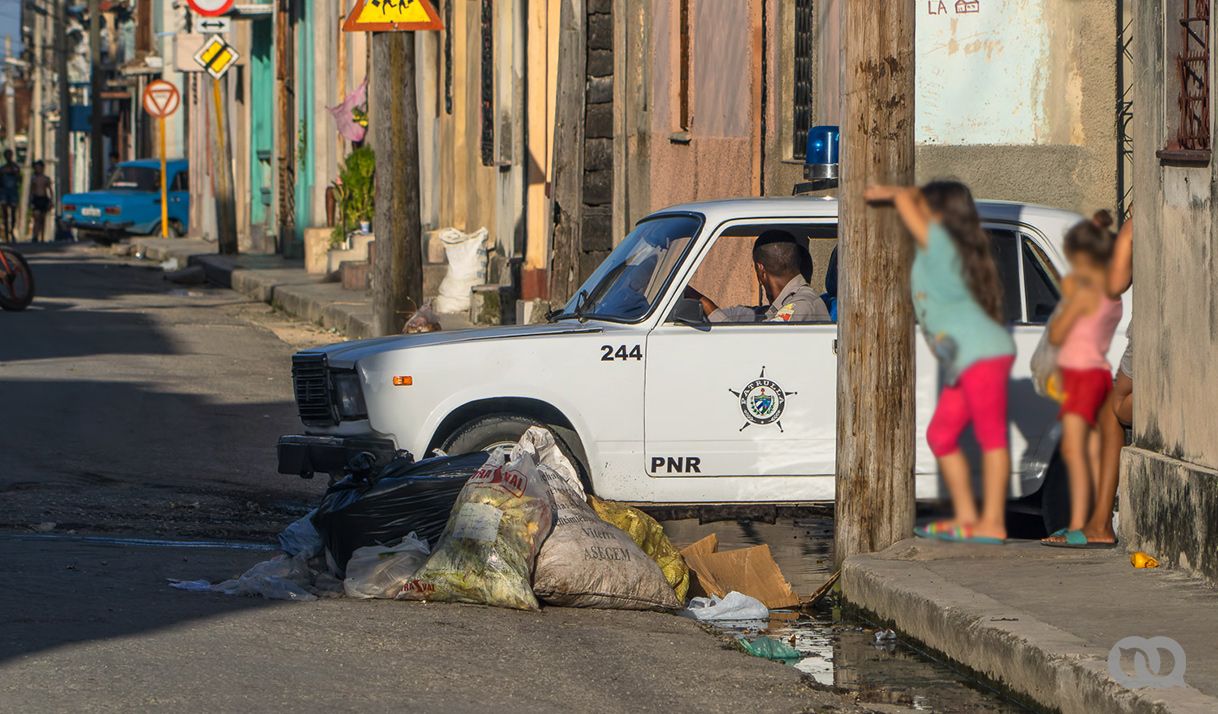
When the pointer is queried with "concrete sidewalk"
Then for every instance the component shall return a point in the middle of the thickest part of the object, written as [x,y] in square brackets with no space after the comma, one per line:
[280,282]
[1042,621]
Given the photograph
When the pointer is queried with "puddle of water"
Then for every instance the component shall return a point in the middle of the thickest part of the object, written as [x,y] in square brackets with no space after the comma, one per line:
[838,651]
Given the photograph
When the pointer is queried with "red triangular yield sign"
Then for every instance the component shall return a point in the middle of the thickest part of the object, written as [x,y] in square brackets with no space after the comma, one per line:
[392,16]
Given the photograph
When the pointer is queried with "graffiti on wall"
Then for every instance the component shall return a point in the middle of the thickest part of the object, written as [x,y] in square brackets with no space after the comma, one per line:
[981,75]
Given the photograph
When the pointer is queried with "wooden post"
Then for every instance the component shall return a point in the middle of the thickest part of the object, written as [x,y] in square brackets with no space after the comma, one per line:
[285,121]
[226,206]
[875,373]
[567,196]
[397,269]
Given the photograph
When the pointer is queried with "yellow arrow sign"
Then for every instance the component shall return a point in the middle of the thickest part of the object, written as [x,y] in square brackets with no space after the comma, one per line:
[392,15]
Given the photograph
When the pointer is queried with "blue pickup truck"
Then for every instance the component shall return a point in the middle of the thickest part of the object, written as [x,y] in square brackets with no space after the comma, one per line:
[131,202]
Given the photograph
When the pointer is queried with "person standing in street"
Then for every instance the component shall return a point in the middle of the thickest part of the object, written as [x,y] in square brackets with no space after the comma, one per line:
[10,187]
[957,298]
[41,200]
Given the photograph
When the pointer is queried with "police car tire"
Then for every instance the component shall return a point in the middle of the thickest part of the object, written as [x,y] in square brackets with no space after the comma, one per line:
[488,431]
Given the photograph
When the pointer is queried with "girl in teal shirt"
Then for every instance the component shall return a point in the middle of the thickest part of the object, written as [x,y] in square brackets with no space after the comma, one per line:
[957,298]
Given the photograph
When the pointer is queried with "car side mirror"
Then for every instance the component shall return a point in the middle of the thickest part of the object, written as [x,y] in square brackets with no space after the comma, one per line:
[688,311]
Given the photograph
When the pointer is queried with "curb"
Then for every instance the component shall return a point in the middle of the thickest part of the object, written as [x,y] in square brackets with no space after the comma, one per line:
[1052,667]
[293,293]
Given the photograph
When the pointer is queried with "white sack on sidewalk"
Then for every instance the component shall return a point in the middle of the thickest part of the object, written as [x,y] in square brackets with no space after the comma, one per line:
[466,254]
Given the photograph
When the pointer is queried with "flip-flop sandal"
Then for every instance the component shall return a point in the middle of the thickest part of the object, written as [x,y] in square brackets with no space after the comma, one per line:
[964,534]
[936,530]
[1078,541]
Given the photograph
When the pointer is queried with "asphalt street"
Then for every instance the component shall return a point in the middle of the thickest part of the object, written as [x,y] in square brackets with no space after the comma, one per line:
[140,417]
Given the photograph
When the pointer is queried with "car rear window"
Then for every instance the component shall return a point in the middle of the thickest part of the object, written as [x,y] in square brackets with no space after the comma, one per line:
[135,178]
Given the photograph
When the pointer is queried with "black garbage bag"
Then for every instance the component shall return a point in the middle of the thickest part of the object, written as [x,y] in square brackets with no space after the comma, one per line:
[402,497]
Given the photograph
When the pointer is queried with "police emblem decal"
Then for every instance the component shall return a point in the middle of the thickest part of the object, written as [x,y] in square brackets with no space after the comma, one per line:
[762,402]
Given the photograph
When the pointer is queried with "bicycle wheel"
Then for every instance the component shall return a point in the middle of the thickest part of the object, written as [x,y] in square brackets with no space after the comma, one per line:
[16,281]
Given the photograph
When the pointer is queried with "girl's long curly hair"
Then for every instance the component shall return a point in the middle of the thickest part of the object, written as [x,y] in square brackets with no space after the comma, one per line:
[954,203]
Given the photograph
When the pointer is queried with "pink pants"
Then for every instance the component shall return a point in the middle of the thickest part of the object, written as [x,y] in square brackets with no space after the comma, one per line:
[978,396]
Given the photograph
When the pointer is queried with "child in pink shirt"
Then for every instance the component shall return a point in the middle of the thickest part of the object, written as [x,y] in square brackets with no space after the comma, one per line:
[1083,332]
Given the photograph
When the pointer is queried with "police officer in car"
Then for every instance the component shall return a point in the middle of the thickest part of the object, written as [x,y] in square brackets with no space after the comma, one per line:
[780,263]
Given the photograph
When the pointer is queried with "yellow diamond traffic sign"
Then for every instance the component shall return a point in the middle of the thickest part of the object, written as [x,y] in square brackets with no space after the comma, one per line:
[391,15]
[216,56]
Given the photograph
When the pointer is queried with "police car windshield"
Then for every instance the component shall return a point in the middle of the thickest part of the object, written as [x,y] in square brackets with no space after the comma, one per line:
[628,283]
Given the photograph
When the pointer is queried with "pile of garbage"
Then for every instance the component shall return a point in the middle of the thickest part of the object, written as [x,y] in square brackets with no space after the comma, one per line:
[508,529]
[511,529]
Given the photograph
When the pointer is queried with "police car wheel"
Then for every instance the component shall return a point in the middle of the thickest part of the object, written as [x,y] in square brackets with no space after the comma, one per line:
[498,431]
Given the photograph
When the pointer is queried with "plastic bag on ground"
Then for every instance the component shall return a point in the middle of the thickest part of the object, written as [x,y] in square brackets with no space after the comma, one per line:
[648,534]
[770,648]
[466,254]
[487,551]
[283,577]
[377,571]
[586,562]
[404,497]
[733,606]
[423,320]
[301,537]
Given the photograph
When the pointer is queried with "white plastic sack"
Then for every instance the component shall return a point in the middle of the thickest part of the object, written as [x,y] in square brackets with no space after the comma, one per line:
[466,254]
[280,578]
[1046,378]
[587,562]
[733,606]
[377,571]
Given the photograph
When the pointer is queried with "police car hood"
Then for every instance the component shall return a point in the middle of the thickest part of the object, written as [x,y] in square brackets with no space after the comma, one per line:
[346,354]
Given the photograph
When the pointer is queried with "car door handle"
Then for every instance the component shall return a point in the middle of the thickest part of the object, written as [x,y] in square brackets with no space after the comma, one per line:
[834,345]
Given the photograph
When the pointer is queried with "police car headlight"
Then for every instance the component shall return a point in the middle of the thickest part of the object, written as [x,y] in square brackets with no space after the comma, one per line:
[349,396]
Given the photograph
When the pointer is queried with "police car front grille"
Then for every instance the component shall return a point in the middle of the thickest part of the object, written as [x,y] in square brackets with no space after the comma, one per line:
[311,382]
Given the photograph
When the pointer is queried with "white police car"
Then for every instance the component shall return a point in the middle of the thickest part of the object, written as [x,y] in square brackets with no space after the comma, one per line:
[656,404]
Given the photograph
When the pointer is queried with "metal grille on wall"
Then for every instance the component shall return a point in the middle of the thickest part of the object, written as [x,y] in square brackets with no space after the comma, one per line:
[803,77]
[488,83]
[448,56]
[1124,109]
[1193,68]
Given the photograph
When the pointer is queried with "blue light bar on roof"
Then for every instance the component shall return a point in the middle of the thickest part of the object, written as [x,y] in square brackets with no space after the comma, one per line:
[821,157]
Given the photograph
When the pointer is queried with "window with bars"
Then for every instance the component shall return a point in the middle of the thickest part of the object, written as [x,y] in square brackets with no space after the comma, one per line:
[802,105]
[683,79]
[448,56]
[487,100]
[1188,97]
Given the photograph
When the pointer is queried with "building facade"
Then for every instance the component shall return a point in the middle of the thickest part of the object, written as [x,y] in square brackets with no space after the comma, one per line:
[714,98]
[1169,478]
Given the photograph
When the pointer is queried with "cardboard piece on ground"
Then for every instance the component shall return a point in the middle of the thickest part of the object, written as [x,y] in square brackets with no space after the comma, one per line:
[751,571]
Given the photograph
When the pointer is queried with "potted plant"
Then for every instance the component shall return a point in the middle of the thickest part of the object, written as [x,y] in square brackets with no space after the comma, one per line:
[355,194]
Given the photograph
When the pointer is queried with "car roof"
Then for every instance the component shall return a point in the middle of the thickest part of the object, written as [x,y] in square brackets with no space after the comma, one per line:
[154,163]
[1053,221]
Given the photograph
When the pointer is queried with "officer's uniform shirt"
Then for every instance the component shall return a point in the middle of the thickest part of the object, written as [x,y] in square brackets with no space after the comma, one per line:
[796,302]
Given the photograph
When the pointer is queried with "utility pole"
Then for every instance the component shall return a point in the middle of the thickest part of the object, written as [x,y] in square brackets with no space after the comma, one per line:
[33,144]
[397,272]
[63,167]
[875,367]
[226,206]
[96,155]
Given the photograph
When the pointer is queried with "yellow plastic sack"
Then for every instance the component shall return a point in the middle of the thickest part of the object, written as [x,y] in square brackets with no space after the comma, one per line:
[487,551]
[648,535]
